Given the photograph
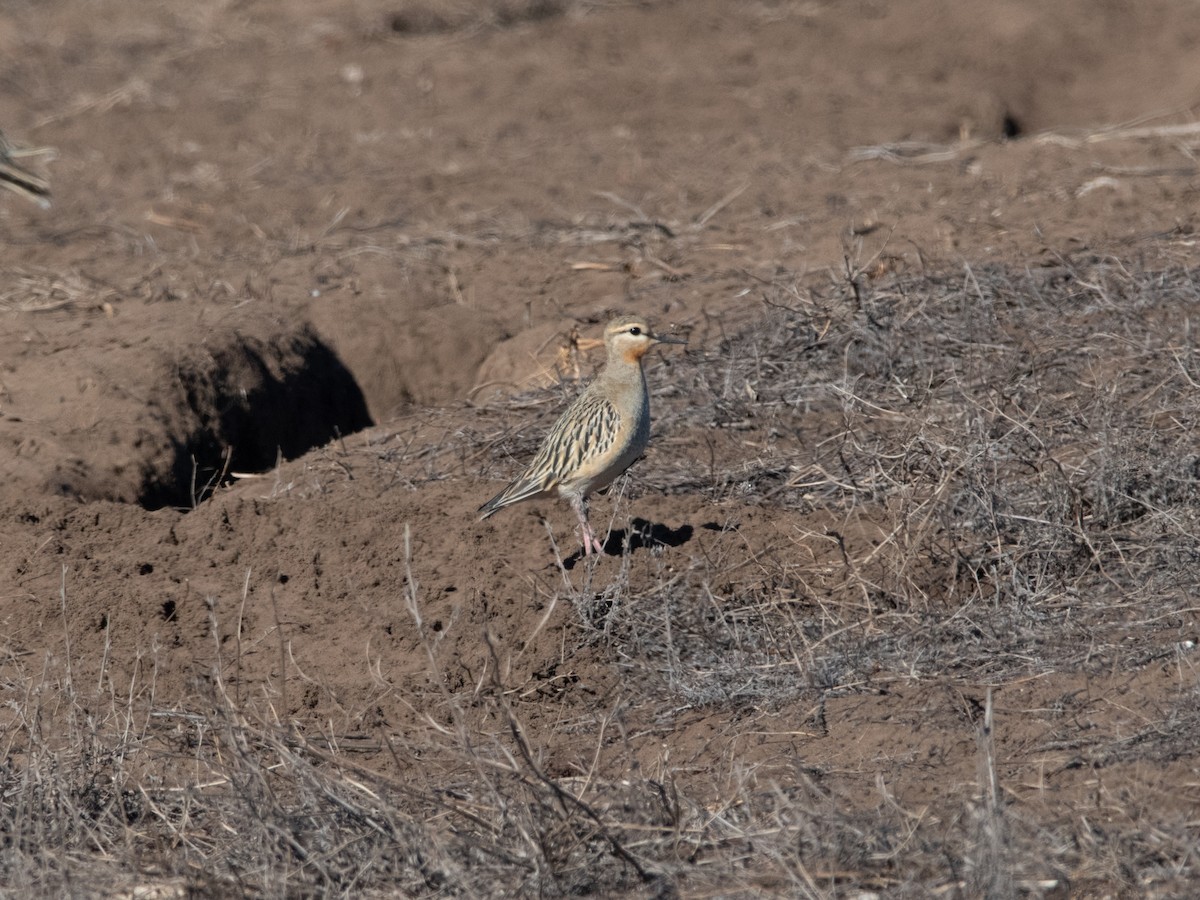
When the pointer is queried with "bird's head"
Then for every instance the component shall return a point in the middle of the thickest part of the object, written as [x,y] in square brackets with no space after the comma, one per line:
[629,337]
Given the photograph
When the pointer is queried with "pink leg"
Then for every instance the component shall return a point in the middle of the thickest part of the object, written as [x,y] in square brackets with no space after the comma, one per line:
[590,541]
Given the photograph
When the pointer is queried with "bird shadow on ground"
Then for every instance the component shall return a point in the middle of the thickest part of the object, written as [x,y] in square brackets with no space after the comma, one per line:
[641,534]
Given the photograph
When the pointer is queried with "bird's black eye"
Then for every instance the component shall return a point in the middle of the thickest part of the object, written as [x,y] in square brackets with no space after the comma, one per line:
[635,330]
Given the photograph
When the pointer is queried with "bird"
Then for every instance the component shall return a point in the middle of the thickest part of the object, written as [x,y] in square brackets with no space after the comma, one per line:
[19,180]
[600,435]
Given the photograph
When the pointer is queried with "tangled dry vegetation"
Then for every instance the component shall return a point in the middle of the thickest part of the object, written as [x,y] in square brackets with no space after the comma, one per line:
[983,476]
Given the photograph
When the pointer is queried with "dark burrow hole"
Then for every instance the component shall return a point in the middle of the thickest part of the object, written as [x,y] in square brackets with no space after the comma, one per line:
[249,405]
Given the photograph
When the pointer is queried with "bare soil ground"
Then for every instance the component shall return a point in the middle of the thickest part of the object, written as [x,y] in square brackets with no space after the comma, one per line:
[900,603]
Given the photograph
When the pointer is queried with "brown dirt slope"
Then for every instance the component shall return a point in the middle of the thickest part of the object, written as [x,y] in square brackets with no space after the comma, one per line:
[899,602]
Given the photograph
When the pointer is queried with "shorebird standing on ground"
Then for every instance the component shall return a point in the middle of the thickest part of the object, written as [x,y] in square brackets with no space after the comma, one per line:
[599,436]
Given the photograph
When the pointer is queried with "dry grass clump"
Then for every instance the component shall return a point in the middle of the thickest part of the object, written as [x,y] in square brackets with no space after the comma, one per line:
[210,801]
[214,801]
[1015,451]
[47,292]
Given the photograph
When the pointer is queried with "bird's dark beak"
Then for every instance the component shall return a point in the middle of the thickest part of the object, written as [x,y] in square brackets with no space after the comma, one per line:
[668,340]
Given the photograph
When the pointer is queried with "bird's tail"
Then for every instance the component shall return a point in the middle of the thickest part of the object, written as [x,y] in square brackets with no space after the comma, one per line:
[522,489]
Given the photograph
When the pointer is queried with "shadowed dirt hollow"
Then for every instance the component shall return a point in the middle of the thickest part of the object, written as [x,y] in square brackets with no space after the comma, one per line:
[901,599]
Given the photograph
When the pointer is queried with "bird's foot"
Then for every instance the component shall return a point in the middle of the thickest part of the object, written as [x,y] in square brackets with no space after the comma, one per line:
[591,544]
